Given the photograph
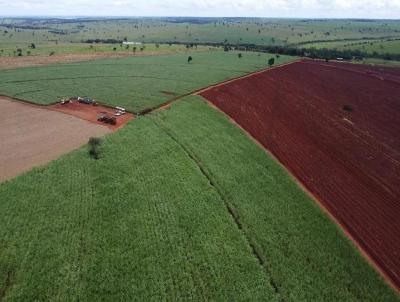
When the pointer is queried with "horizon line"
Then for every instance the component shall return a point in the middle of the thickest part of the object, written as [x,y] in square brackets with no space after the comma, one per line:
[188,16]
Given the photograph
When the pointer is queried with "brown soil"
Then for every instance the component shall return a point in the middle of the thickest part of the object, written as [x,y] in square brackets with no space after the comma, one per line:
[18,62]
[91,113]
[26,61]
[349,161]
[361,250]
[203,90]
[32,135]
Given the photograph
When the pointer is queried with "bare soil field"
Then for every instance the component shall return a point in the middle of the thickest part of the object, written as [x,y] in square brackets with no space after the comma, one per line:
[32,135]
[91,113]
[336,128]
[27,61]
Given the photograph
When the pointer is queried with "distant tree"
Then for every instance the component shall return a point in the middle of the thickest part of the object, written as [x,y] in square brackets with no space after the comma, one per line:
[33,46]
[157,45]
[28,53]
[114,48]
[239,55]
[52,53]
[190,59]
[134,49]
[226,48]
[271,62]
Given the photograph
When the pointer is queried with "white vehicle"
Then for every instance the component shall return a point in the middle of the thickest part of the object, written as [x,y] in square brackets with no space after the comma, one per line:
[119,111]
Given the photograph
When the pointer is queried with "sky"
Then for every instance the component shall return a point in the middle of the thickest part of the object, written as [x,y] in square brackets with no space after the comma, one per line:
[386,9]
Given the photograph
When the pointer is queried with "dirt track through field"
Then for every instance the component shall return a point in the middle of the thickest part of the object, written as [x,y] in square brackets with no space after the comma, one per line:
[31,136]
[350,161]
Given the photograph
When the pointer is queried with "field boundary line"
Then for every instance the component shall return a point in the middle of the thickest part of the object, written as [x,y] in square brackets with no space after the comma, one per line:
[211,86]
[345,64]
[199,91]
[325,210]
[232,212]
[169,102]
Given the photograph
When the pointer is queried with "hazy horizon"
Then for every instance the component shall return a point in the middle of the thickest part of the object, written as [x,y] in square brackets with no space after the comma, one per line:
[320,9]
[187,16]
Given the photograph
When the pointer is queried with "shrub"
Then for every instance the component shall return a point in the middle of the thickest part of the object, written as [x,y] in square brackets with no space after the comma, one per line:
[271,62]
[94,143]
[347,108]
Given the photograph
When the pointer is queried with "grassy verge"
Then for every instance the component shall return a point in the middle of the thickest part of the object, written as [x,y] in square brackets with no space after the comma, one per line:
[134,82]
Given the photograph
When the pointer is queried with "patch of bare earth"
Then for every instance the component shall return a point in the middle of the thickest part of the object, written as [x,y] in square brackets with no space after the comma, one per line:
[32,135]
[27,61]
[91,113]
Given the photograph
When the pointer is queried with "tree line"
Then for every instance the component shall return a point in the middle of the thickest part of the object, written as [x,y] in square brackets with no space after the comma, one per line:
[314,53]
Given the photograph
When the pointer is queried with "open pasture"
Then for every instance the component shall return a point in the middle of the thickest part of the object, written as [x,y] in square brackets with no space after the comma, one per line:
[16,33]
[335,127]
[368,46]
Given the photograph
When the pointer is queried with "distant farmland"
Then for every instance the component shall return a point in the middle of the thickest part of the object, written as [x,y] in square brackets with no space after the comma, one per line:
[135,83]
[335,127]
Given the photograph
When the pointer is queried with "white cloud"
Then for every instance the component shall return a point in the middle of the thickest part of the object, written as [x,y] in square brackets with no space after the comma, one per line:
[261,8]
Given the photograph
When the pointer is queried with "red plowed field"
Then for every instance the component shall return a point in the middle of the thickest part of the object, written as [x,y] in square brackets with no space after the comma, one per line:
[349,160]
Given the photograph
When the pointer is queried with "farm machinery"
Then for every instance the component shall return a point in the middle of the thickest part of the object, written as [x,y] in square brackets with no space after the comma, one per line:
[105,118]
[87,101]
[82,100]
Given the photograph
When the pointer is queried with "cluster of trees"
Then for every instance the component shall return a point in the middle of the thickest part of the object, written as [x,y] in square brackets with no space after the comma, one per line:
[327,53]
[315,53]
[105,41]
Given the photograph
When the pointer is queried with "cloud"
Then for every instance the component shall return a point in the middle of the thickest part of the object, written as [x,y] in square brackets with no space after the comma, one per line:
[260,8]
